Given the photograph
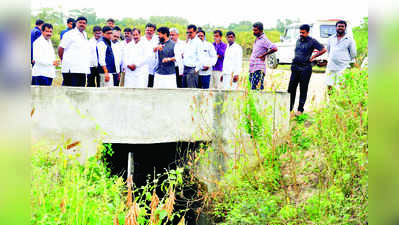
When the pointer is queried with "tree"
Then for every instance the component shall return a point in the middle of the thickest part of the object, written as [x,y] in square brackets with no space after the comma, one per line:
[281,25]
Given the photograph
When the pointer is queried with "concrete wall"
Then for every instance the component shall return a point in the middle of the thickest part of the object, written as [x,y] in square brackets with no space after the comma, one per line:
[121,115]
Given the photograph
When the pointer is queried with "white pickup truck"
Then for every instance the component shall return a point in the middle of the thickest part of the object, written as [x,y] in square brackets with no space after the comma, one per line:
[321,30]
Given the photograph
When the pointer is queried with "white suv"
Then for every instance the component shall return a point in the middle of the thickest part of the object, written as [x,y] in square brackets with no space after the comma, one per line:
[321,30]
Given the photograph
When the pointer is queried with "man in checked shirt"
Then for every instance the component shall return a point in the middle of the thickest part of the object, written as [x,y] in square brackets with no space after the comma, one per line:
[262,47]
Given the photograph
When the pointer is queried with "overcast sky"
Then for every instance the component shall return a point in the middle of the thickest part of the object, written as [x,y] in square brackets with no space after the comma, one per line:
[219,12]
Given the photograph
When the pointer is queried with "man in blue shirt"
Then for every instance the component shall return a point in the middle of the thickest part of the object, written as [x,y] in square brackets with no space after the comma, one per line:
[70,25]
[35,34]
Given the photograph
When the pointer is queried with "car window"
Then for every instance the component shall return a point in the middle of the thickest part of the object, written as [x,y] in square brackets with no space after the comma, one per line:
[327,31]
[291,33]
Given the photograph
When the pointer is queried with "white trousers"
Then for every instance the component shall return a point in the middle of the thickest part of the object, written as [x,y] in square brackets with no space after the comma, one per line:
[334,77]
[165,81]
[215,80]
[228,84]
[110,82]
[135,80]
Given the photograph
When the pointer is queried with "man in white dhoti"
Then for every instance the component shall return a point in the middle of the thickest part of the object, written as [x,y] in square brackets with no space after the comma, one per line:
[136,59]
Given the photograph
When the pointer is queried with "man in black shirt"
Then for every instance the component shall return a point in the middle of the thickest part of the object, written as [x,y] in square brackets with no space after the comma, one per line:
[165,72]
[301,66]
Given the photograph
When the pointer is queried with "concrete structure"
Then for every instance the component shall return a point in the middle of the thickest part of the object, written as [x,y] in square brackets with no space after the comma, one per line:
[136,116]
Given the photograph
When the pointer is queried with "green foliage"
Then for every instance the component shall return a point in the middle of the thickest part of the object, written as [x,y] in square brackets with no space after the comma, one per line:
[318,175]
[361,36]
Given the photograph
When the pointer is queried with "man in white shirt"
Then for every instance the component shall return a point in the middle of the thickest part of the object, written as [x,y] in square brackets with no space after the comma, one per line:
[43,71]
[128,40]
[93,79]
[208,58]
[191,60]
[232,63]
[179,47]
[74,52]
[136,61]
[153,40]
[117,48]
[106,59]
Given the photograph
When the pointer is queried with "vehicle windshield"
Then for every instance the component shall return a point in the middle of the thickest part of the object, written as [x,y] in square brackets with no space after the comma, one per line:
[327,31]
[291,33]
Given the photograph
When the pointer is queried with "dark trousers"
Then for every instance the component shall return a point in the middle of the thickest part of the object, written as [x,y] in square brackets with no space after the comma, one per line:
[42,80]
[190,78]
[204,81]
[255,78]
[116,79]
[74,79]
[93,79]
[179,79]
[299,76]
[151,80]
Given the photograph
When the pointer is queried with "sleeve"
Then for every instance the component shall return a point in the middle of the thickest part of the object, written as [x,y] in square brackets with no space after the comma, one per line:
[317,45]
[101,50]
[199,53]
[40,55]
[66,40]
[268,44]
[238,61]
[352,49]
[178,57]
[328,45]
[213,55]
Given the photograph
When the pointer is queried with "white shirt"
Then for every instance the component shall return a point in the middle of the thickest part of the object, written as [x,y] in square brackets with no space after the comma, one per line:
[179,48]
[208,57]
[124,47]
[191,53]
[117,49]
[138,54]
[153,61]
[232,59]
[44,56]
[93,52]
[76,58]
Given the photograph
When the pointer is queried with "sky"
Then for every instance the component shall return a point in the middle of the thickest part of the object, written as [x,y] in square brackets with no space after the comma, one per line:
[219,12]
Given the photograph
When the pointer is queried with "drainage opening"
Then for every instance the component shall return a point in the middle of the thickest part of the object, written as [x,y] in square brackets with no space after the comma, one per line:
[145,160]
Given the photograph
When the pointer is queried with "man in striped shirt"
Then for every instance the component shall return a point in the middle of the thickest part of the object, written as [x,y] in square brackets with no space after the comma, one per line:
[261,48]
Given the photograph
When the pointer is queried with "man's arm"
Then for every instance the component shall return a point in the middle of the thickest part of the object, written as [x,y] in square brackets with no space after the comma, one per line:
[320,48]
[60,52]
[324,50]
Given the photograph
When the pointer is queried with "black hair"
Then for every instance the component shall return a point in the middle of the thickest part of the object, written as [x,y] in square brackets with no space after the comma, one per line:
[258,25]
[230,33]
[49,26]
[136,29]
[151,25]
[110,20]
[39,22]
[127,29]
[70,20]
[341,22]
[117,28]
[164,30]
[96,28]
[305,27]
[106,29]
[192,26]
[201,31]
[81,18]
[218,32]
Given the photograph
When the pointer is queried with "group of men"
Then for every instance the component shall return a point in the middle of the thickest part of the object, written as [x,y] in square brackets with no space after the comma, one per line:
[162,60]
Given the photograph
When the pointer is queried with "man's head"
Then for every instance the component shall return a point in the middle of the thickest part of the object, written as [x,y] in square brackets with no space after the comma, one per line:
[81,23]
[70,23]
[163,33]
[201,34]
[97,32]
[341,27]
[231,37]
[107,33]
[116,35]
[136,33]
[47,31]
[304,30]
[174,34]
[191,31]
[128,33]
[110,22]
[257,29]
[39,23]
[150,30]
[217,35]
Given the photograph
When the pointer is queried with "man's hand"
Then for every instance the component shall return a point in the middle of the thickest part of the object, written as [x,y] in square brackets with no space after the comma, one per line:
[235,78]
[56,63]
[221,78]
[262,57]
[158,48]
[107,77]
[165,60]
[132,67]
